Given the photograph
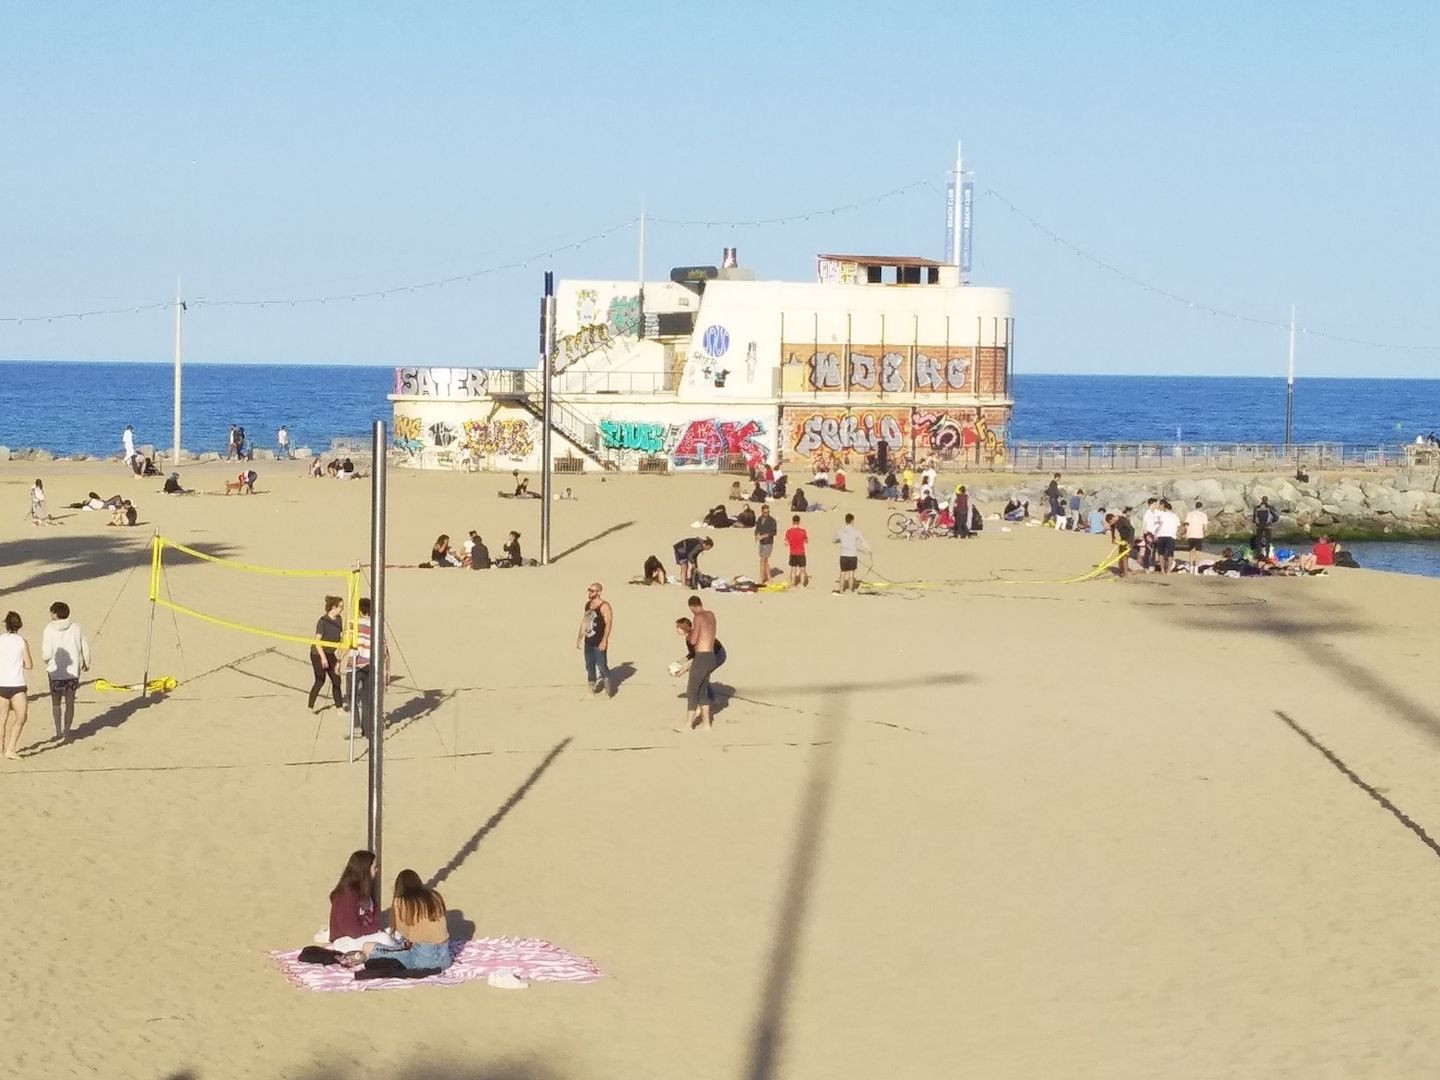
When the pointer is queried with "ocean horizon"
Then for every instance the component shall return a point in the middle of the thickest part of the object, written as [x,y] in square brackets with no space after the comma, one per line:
[81,406]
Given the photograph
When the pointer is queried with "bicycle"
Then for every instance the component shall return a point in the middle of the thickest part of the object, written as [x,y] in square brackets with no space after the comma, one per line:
[905,526]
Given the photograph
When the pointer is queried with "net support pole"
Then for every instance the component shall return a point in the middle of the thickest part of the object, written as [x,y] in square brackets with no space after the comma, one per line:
[374,818]
[547,353]
[154,595]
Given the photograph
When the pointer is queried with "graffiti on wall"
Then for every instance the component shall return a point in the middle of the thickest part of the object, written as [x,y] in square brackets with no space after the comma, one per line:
[950,434]
[623,316]
[696,443]
[513,439]
[440,382]
[839,433]
[409,434]
[887,369]
[646,438]
[706,442]
[443,434]
[584,341]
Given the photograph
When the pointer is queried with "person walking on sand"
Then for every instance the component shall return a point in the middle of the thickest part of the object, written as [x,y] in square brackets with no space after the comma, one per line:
[66,652]
[702,666]
[38,516]
[329,632]
[127,439]
[14,700]
[597,620]
[795,539]
[231,445]
[282,444]
[765,528]
[851,542]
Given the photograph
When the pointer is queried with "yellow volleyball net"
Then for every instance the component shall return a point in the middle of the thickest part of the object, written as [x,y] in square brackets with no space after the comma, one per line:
[267,601]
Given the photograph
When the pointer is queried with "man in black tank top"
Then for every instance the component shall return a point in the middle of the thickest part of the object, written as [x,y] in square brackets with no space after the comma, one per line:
[596,623]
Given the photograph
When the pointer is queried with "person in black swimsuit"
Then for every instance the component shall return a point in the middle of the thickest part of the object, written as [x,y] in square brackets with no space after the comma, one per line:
[329,632]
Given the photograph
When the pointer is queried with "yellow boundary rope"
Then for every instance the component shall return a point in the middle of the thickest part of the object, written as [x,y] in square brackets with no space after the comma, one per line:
[1100,568]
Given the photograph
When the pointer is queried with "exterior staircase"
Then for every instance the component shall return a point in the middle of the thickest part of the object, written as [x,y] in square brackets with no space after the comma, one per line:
[524,388]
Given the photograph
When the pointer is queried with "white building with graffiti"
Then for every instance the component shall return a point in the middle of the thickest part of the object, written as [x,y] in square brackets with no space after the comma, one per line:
[718,369]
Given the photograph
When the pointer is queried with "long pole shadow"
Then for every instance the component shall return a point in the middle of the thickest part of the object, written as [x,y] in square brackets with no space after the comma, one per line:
[468,848]
[768,1036]
[590,540]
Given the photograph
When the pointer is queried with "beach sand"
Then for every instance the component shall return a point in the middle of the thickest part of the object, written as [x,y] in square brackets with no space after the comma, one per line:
[981,827]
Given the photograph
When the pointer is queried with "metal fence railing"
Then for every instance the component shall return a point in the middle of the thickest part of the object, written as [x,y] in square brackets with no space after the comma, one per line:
[1130,457]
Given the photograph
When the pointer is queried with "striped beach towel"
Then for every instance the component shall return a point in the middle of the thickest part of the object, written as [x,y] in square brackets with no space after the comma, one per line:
[532,959]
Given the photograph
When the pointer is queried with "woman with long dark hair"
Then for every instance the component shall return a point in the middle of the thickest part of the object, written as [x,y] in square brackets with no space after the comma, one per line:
[354,917]
[329,632]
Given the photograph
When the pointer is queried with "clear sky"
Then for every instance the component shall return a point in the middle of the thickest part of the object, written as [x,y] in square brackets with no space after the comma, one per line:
[1243,155]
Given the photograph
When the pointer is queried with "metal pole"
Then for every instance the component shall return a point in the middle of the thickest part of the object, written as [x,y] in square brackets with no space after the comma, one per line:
[377,642]
[1290,383]
[175,431]
[547,353]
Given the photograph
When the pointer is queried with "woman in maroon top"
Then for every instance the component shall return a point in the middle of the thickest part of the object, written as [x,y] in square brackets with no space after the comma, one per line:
[354,917]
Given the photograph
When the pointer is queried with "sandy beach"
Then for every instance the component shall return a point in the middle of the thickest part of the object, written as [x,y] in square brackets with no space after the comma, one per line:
[973,824]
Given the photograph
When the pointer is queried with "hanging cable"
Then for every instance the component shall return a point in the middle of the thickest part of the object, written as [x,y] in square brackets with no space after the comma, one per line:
[804,216]
[1195,304]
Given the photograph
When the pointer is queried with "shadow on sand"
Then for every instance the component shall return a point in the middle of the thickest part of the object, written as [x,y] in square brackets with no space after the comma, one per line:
[468,848]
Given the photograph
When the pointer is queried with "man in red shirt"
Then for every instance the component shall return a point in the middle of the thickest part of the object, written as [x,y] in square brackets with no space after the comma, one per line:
[795,539]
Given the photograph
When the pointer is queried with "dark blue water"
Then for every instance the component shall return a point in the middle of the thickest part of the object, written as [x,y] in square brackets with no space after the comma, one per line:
[72,408]
[82,408]
[1104,408]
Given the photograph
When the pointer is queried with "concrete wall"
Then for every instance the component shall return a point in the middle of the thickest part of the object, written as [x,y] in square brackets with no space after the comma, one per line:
[435,433]
[754,340]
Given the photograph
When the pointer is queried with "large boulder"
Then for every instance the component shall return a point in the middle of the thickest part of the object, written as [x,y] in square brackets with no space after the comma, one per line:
[304,453]
[4,453]
[41,455]
[208,455]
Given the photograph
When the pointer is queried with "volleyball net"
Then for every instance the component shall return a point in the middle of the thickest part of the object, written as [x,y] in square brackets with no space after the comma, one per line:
[266,601]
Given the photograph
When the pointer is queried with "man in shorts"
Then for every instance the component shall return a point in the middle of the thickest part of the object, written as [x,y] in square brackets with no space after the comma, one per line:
[851,542]
[1196,522]
[702,666]
[795,539]
[765,528]
[687,557]
[1167,530]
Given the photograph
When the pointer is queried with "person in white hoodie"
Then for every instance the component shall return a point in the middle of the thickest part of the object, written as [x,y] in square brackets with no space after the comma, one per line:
[66,651]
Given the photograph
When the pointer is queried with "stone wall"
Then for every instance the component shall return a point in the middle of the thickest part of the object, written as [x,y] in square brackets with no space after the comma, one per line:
[1349,505]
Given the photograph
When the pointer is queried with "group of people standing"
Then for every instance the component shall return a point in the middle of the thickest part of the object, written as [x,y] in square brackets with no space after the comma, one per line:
[65,651]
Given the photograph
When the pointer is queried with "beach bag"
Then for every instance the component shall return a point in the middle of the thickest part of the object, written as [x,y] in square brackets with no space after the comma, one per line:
[703,581]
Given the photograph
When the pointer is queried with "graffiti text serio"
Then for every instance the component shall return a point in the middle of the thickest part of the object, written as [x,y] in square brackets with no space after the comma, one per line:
[858,432]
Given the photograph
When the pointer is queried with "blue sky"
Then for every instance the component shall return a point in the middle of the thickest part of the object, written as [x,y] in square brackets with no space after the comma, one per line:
[1246,156]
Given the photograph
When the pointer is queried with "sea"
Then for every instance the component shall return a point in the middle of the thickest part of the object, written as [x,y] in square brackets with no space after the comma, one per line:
[82,407]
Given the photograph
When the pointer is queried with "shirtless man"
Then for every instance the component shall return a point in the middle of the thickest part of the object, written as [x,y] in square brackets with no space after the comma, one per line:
[697,690]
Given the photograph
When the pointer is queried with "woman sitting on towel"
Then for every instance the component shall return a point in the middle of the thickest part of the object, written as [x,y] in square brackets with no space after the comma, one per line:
[417,918]
[440,554]
[745,519]
[354,918]
[655,572]
[735,491]
[718,518]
